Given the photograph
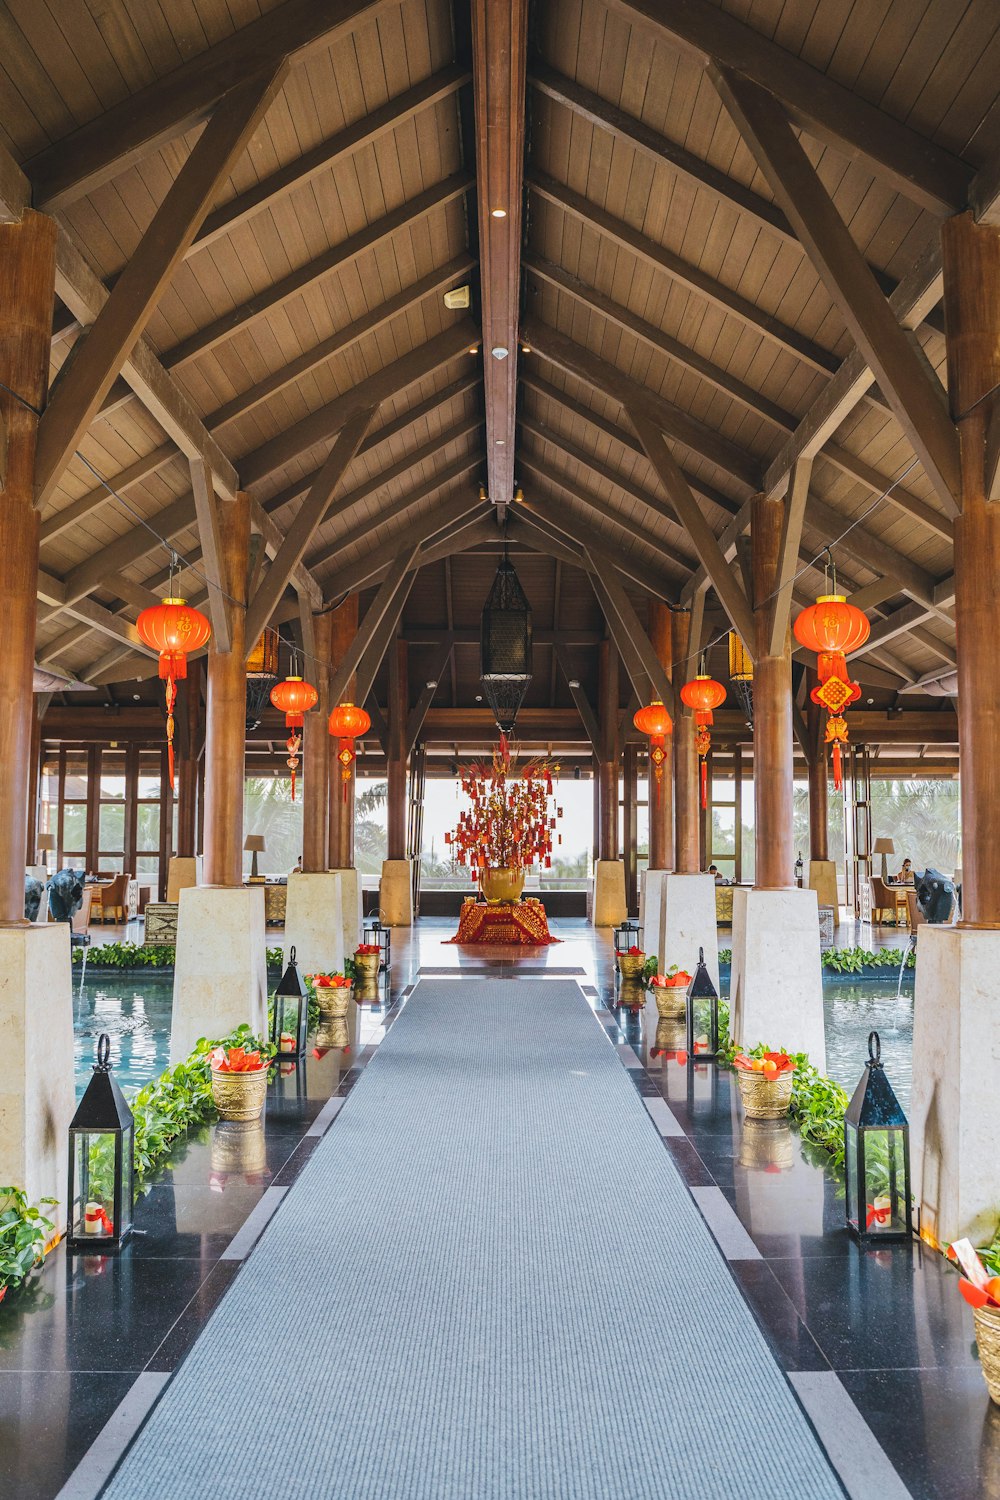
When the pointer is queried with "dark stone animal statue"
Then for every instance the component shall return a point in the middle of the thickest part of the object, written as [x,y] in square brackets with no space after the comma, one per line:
[935,894]
[65,894]
[32,897]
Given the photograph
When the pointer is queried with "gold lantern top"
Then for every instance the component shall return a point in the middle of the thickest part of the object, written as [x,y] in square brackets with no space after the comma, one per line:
[263,659]
[740,665]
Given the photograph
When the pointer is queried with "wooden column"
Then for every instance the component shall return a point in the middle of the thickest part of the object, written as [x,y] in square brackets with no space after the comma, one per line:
[27,289]
[343,629]
[687,843]
[399,707]
[661,793]
[630,825]
[187,763]
[608,769]
[972,315]
[34,772]
[772,709]
[316,753]
[226,710]
[819,810]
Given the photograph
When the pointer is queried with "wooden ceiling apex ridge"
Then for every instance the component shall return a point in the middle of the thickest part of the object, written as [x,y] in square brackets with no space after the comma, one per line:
[499,70]
[925,172]
[165,109]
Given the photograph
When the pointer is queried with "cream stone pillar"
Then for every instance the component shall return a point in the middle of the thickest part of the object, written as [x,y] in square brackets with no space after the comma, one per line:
[395,899]
[220,973]
[610,908]
[314,922]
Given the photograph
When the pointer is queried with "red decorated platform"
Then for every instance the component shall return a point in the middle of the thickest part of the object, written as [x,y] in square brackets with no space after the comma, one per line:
[513,922]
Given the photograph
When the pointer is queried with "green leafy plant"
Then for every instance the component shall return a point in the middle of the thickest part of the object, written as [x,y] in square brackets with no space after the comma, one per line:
[24,1230]
[144,956]
[852,960]
[651,968]
[725,955]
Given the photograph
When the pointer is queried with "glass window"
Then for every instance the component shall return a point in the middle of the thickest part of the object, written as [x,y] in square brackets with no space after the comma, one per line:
[74,826]
[76,776]
[149,776]
[148,864]
[723,832]
[148,826]
[112,825]
[111,864]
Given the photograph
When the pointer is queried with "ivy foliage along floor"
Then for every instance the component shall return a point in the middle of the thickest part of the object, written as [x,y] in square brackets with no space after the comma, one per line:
[854,960]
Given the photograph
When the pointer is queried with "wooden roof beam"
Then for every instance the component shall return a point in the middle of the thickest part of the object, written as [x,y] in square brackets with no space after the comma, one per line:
[499,64]
[904,374]
[85,380]
[365,652]
[630,637]
[926,173]
[162,111]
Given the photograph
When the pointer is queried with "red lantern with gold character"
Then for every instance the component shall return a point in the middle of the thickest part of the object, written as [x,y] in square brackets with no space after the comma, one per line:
[654,721]
[704,695]
[173,628]
[347,723]
[832,628]
[294,698]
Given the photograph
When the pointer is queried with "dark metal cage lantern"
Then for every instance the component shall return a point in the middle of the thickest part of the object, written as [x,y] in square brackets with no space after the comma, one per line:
[625,936]
[262,674]
[505,645]
[290,1016]
[877,1157]
[374,932]
[101,1163]
[702,1014]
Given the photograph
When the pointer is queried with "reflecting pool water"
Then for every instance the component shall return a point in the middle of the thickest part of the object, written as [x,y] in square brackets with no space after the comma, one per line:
[134,1010]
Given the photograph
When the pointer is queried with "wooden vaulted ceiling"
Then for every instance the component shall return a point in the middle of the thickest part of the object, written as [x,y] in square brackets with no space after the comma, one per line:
[689,196]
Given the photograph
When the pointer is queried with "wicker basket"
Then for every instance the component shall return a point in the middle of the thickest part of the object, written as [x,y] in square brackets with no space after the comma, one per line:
[334,1001]
[630,965]
[988,1342]
[239,1096]
[765,1098]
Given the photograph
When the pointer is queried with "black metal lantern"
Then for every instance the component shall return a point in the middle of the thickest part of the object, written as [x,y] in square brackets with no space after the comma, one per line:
[374,932]
[101,1163]
[505,645]
[627,935]
[877,1157]
[262,674]
[702,1015]
[290,1016]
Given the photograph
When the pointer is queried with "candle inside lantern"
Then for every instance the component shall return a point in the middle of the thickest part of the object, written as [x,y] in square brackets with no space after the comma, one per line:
[286,1042]
[93,1218]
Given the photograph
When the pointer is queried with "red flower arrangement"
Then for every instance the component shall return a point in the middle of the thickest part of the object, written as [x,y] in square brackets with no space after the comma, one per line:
[511,824]
[366,949]
[236,1060]
[976,1285]
[771,1064]
[330,981]
[677,979]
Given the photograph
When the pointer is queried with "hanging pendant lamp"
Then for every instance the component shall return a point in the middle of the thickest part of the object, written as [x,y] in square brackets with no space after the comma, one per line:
[505,645]
[172,628]
[833,628]
[703,694]
[294,698]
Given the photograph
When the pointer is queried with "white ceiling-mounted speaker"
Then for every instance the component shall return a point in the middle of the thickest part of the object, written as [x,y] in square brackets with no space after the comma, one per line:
[459,297]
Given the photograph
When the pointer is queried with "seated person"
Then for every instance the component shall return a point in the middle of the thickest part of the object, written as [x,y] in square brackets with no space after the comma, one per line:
[905,876]
[298,868]
[719,878]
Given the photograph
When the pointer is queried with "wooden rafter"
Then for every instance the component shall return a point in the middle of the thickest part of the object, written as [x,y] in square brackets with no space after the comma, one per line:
[166,109]
[446,517]
[418,713]
[904,374]
[630,635]
[551,515]
[206,511]
[780,607]
[380,607]
[499,62]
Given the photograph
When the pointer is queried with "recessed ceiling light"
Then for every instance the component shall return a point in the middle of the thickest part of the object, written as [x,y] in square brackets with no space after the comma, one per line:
[479,697]
[499,352]
[432,683]
[473,348]
[500,442]
[499,213]
[574,682]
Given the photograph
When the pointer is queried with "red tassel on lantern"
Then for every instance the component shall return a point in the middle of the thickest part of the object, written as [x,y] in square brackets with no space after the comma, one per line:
[294,698]
[704,695]
[173,628]
[347,723]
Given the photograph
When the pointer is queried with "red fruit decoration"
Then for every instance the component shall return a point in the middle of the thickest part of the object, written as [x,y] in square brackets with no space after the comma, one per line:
[173,628]
[294,698]
[657,723]
[833,628]
[347,723]
[703,694]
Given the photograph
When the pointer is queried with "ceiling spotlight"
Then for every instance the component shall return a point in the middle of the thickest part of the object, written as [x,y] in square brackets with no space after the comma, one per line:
[473,348]
[525,348]
[432,682]
[499,352]
[574,682]
[518,495]
[499,442]
[458,297]
[869,700]
[482,492]
[136,698]
[498,213]
[479,697]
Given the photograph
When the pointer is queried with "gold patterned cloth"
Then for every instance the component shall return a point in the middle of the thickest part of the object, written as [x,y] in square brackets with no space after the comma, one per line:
[520,922]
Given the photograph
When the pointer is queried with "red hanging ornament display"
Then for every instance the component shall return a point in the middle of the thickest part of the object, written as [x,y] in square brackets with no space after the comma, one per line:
[704,695]
[294,698]
[654,721]
[832,628]
[511,823]
[173,628]
[347,723]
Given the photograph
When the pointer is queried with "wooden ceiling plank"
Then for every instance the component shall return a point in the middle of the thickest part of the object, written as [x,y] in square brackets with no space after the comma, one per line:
[788,555]
[162,111]
[384,636]
[903,372]
[691,276]
[396,580]
[499,68]
[569,526]
[99,355]
[301,578]
[274,296]
[926,173]
[363,529]
[206,511]
[731,596]
[101,494]
[372,561]
[306,523]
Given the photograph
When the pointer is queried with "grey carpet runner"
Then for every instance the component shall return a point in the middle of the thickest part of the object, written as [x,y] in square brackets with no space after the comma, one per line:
[489,1281]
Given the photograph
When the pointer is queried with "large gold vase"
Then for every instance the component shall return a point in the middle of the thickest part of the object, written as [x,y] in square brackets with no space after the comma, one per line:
[503,883]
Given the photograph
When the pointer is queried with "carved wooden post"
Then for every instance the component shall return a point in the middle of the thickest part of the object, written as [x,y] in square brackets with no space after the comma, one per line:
[661,792]
[343,628]
[772,710]
[687,841]
[316,753]
[226,712]
[187,763]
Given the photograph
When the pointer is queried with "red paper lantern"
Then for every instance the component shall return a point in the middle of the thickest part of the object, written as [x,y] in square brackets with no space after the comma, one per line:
[704,695]
[347,723]
[173,628]
[294,698]
[832,628]
[654,721]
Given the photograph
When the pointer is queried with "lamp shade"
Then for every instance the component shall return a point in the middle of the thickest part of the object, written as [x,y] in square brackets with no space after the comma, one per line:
[46,841]
[254,843]
[884,846]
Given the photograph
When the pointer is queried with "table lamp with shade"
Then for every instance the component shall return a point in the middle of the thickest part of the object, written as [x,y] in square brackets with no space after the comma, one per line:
[254,844]
[884,847]
[46,841]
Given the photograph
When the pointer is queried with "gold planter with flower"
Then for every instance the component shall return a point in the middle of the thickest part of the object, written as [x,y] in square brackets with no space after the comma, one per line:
[630,966]
[333,1000]
[765,1098]
[239,1096]
[502,883]
[670,993]
[987,1321]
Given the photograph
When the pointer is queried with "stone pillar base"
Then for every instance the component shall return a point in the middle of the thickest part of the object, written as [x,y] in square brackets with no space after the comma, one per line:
[954,1111]
[350,907]
[37,1095]
[182,872]
[395,896]
[220,971]
[651,889]
[776,989]
[314,924]
[610,909]
[823,880]
[687,923]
